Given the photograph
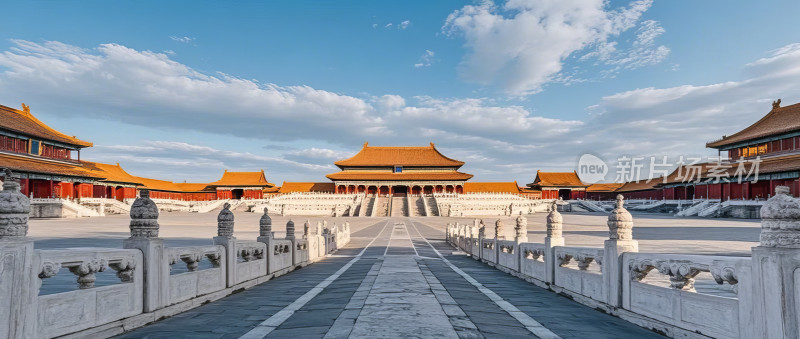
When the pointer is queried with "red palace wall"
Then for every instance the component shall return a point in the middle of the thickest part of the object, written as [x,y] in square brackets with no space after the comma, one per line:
[724,191]
[577,195]
[669,193]
[224,195]
[81,190]
[253,194]
[601,195]
[549,194]
[23,186]
[66,189]
[649,194]
[99,191]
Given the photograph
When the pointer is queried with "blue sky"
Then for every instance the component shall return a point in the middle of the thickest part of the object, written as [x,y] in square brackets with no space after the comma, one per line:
[184,89]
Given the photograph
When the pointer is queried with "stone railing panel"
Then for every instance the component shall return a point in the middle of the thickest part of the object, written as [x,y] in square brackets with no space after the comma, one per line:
[572,271]
[301,252]
[508,254]
[475,246]
[532,260]
[196,282]
[330,242]
[281,257]
[679,304]
[488,251]
[89,306]
[316,247]
[251,260]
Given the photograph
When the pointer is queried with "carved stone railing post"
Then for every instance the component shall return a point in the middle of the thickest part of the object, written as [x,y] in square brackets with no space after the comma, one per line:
[266,236]
[306,228]
[290,230]
[449,233]
[775,265]
[347,231]
[265,226]
[553,239]
[228,241]
[291,237]
[18,298]
[620,240]
[521,229]
[144,237]
[499,232]
[481,237]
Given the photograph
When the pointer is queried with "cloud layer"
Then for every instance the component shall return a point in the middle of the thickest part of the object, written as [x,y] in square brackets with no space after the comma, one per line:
[498,141]
[522,44]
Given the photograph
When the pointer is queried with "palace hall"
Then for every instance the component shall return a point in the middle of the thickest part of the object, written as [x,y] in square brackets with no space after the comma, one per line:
[399,170]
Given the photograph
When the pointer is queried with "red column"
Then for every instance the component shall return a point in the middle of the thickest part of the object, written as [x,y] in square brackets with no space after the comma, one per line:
[746,190]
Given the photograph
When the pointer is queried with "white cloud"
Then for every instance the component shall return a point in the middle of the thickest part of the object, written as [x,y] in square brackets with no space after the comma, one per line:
[522,44]
[179,161]
[426,59]
[475,117]
[391,101]
[501,141]
[680,120]
[183,39]
[404,24]
[644,51]
[149,89]
[113,82]
[388,25]
[314,155]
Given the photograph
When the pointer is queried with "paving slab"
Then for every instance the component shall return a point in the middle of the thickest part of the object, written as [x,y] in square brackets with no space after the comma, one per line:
[405,282]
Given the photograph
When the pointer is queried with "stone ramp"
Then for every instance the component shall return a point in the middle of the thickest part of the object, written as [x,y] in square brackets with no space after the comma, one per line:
[395,279]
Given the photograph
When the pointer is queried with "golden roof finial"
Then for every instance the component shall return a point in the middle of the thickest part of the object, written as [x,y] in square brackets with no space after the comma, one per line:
[776,104]
[26,108]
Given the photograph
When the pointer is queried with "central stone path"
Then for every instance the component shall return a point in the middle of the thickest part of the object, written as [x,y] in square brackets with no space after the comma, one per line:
[401,293]
[396,279]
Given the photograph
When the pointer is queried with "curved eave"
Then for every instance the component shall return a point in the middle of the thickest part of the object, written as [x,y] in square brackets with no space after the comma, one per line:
[456,176]
[355,162]
[55,136]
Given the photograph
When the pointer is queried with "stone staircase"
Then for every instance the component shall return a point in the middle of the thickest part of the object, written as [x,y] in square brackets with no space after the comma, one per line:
[649,206]
[79,210]
[694,209]
[399,207]
[208,207]
[432,208]
[591,206]
[711,210]
[381,207]
[416,207]
[366,207]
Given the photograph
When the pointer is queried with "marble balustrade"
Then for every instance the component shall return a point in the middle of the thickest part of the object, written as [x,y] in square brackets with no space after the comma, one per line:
[148,281]
[754,297]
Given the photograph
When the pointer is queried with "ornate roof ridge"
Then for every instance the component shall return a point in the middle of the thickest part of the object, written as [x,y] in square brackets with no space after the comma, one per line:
[27,115]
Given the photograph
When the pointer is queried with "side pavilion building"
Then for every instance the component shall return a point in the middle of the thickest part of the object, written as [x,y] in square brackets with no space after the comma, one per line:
[399,170]
[555,185]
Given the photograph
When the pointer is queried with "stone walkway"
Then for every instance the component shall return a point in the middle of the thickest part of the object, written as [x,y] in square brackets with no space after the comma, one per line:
[396,279]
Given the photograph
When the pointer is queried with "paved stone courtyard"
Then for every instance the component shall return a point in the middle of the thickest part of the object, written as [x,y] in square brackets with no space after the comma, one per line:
[398,278]
[655,232]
